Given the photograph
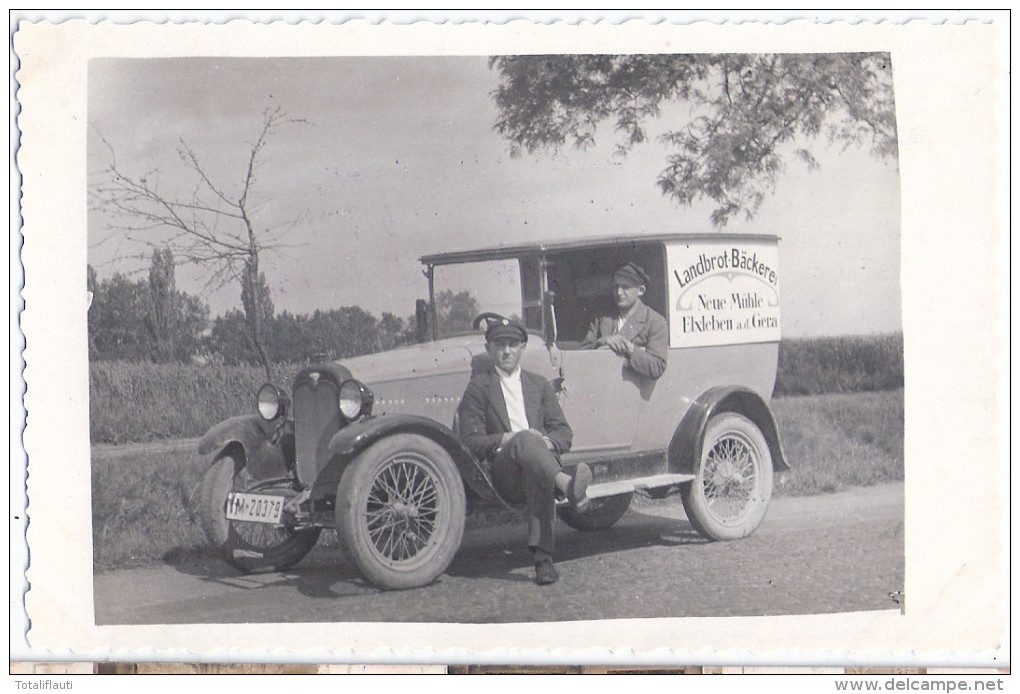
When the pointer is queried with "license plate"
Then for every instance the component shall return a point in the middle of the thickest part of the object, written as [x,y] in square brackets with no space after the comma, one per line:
[255,508]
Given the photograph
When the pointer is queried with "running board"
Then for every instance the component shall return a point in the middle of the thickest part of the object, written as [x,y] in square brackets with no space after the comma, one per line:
[597,491]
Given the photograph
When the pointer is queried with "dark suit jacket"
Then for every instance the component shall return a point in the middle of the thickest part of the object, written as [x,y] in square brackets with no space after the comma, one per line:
[647,330]
[483,419]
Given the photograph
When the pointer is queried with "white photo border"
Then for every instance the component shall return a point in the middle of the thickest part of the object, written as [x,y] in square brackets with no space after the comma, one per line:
[950,81]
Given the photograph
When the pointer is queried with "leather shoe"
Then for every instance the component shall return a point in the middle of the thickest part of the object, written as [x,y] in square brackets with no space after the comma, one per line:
[545,572]
[577,492]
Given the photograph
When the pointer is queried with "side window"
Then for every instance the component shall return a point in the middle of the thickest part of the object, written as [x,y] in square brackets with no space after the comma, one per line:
[582,281]
[580,296]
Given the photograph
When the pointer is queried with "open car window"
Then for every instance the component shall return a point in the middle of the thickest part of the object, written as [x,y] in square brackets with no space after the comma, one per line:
[582,281]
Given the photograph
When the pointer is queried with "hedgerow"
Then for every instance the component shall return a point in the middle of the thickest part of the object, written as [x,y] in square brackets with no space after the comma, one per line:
[137,402]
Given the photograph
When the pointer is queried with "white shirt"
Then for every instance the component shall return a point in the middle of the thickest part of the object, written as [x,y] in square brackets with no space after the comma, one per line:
[622,320]
[513,395]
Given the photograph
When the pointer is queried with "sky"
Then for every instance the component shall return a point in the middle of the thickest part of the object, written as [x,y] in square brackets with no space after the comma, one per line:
[395,158]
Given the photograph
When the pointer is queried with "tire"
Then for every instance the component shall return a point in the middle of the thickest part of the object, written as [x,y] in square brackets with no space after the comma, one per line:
[730,496]
[600,514]
[249,547]
[400,511]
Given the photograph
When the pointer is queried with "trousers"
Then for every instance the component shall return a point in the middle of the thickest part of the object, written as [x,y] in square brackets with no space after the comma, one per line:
[524,471]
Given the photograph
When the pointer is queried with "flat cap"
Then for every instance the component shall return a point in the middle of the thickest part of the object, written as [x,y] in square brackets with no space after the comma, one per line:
[631,273]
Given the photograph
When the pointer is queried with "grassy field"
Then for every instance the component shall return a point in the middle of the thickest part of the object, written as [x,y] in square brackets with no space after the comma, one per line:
[143,503]
[840,440]
[149,402]
[812,366]
[131,402]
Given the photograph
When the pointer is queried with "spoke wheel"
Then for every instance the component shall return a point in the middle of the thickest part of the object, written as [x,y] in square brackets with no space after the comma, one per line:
[250,547]
[730,496]
[400,511]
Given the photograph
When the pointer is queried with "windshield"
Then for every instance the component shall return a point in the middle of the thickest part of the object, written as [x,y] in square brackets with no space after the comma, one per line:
[464,290]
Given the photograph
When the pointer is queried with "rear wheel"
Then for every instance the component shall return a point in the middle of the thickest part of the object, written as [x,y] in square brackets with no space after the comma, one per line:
[250,547]
[730,496]
[600,513]
[400,511]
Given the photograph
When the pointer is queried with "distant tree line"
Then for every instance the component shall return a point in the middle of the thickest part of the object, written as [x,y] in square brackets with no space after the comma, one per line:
[149,320]
[323,335]
[145,319]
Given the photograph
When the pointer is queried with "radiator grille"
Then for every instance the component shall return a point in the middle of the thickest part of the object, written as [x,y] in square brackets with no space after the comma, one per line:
[316,420]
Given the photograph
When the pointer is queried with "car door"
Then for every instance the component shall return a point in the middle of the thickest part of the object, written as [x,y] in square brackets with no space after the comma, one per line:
[601,398]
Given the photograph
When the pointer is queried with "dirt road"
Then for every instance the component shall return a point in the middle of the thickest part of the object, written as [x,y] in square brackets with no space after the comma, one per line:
[819,554]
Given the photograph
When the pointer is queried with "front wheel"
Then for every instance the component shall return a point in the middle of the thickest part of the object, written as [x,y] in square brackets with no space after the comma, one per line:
[730,496]
[600,513]
[250,547]
[400,511]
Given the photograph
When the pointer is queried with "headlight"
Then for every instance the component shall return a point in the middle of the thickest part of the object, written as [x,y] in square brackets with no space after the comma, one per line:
[272,403]
[355,400]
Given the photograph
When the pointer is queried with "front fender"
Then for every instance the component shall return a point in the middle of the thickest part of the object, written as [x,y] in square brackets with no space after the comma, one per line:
[685,447]
[347,443]
[254,436]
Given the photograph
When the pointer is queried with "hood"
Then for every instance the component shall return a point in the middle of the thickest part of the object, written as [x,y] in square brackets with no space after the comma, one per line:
[451,355]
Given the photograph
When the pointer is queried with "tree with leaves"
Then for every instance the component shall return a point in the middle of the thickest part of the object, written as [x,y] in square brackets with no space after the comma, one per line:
[344,332]
[213,226]
[454,312]
[740,114]
[228,339]
[258,311]
[116,319]
[395,331]
[163,309]
[92,286]
[133,321]
[290,339]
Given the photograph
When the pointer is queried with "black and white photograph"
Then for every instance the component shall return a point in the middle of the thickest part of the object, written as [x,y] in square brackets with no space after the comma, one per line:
[295,197]
[530,336]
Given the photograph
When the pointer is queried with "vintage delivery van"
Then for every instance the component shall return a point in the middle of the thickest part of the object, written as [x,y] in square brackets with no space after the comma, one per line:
[369,445]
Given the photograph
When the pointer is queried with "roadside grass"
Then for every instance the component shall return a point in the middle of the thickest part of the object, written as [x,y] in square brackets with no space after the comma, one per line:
[840,440]
[143,507]
[131,401]
[144,504]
